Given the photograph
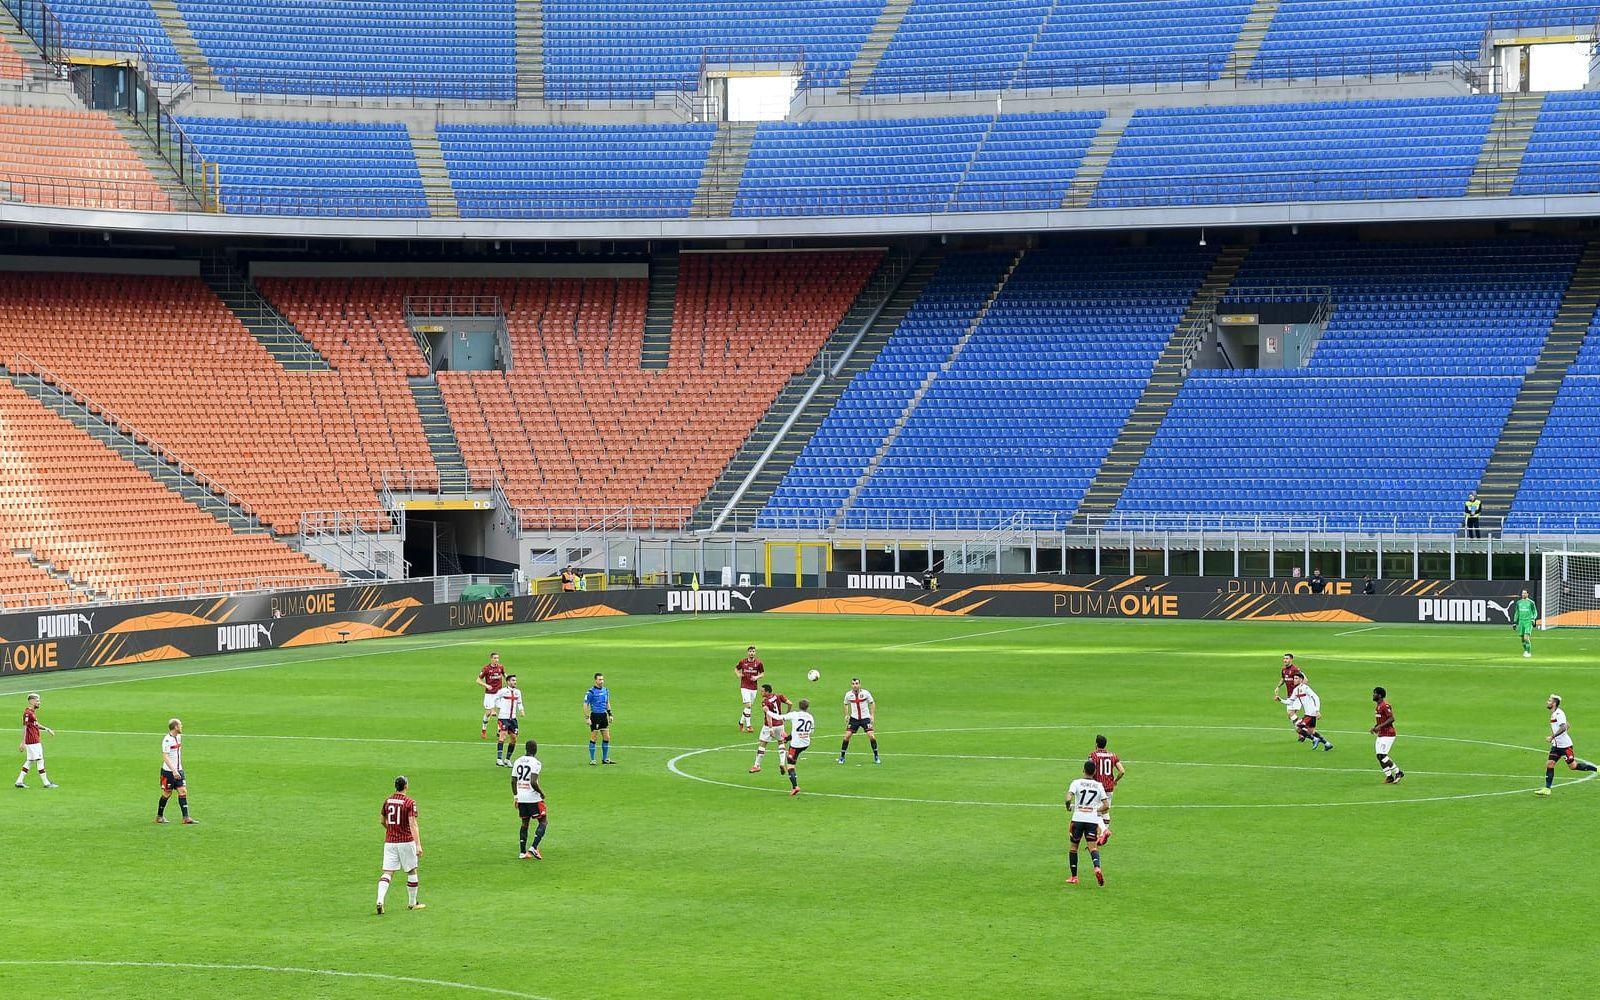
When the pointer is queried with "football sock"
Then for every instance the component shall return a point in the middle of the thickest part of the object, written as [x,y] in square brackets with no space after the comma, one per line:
[1094,856]
[1549,775]
[843,748]
[411,890]
[874,746]
[23,776]
[538,834]
[744,720]
[1527,647]
[161,806]
[794,778]
[591,751]
[605,749]
[383,888]
[523,838]
[183,803]
[1581,765]
[760,752]
[1072,859]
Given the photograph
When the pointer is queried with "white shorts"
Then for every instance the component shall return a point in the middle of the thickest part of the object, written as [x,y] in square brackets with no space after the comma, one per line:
[748,694]
[489,702]
[772,734]
[400,857]
[1382,744]
[33,752]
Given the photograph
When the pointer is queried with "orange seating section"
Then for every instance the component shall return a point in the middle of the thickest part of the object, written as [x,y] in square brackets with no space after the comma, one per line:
[23,585]
[93,515]
[577,429]
[167,358]
[11,65]
[89,163]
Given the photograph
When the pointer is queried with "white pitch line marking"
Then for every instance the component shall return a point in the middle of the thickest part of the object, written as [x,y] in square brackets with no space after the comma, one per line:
[977,635]
[1358,631]
[165,674]
[345,739]
[281,969]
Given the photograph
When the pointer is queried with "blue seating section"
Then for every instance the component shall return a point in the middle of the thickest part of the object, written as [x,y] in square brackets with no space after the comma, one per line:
[1310,38]
[1023,415]
[1399,410]
[901,166]
[1424,148]
[635,49]
[106,25]
[575,171]
[423,48]
[1563,155]
[312,168]
[963,45]
[1561,489]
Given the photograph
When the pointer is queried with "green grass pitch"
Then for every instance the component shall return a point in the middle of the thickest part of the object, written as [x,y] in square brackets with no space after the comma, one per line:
[1242,863]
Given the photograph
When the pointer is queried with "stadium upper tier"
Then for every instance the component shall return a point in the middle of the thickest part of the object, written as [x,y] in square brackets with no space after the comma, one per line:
[1563,477]
[1427,148]
[635,50]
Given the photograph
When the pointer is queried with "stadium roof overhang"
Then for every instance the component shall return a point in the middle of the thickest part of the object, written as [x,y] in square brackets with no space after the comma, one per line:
[194,224]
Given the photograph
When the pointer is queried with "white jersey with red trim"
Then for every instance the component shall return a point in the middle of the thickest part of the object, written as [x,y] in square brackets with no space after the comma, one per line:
[858,703]
[1558,722]
[802,725]
[172,753]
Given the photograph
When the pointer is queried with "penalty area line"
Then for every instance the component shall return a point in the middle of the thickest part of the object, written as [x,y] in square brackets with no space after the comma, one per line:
[979,635]
[1358,631]
[278,969]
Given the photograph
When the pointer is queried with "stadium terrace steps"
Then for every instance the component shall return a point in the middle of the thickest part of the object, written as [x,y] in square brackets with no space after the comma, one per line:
[746,481]
[922,390]
[441,435]
[435,174]
[1531,411]
[724,170]
[1159,392]
[1251,35]
[28,581]
[143,455]
[1093,167]
[177,28]
[877,43]
[656,349]
[26,62]
[1505,145]
[530,51]
[266,324]
[165,177]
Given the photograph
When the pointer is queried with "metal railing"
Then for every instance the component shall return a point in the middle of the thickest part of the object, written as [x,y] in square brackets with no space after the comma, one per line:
[85,193]
[394,481]
[81,401]
[42,27]
[446,589]
[420,307]
[586,520]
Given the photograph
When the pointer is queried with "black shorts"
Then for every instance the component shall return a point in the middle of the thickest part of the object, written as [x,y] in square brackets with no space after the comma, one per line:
[792,753]
[856,725]
[1559,753]
[171,782]
[531,810]
[1085,831]
[508,726]
[599,720]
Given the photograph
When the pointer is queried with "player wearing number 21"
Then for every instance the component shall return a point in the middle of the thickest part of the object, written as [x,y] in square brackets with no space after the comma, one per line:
[402,844]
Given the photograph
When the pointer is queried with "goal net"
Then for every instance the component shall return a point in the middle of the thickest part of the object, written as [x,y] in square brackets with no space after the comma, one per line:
[1569,596]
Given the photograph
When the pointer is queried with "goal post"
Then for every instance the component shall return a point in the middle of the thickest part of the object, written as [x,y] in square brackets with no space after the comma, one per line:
[1569,591]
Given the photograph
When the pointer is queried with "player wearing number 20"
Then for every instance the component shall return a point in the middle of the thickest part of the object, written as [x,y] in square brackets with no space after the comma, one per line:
[1086,797]
[801,726]
[529,797]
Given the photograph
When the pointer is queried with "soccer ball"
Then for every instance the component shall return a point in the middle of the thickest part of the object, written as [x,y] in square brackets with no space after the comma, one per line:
[813,675]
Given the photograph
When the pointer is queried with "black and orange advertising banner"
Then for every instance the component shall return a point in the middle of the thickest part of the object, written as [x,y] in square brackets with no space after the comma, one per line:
[401,614]
[1119,583]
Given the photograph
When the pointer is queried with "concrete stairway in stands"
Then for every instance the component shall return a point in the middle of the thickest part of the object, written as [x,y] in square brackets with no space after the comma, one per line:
[441,435]
[38,70]
[63,577]
[171,184]
[435,175]
[660,304]
[530,51]
[1505,144]
[193,487]
[877,43]
[194,60]
[1509,462]
[1165,380]
[1093,167]
[1251,34]
[270,327]
[922,391]
[761,462]
[724,169]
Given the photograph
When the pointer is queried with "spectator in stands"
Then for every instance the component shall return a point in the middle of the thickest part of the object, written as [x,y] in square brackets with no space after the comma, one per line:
[1367,586]
[1316,581]
[929,581]
[1296,573]
[569,580]
[1472,509]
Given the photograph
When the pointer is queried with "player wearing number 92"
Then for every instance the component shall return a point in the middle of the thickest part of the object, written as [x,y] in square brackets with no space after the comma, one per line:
[1086,797]
[529,797]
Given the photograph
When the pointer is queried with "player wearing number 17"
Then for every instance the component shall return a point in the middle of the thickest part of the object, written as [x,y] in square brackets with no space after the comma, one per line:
[1086,797]
[402,844]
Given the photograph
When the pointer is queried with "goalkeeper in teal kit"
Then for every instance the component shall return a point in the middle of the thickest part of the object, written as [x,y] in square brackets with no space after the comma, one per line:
[1523,615]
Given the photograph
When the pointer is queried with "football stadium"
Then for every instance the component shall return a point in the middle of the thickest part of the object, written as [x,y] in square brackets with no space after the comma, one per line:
[576,500]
